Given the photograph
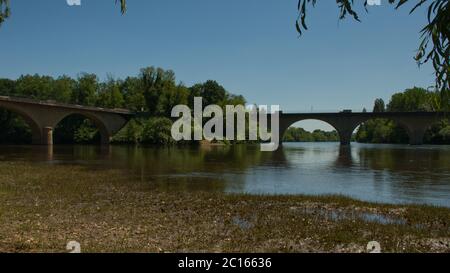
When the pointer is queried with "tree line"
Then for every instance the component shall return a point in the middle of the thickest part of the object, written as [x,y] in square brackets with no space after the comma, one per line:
[414,99]
[152,94]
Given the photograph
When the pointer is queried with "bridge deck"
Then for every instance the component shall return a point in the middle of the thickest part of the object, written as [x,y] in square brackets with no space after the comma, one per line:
[367,114]
[65,105]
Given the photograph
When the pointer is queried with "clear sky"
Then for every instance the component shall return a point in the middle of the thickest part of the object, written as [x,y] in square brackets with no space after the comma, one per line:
[251,47]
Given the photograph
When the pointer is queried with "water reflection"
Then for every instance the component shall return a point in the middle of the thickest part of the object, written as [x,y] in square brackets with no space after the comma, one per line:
[382,173]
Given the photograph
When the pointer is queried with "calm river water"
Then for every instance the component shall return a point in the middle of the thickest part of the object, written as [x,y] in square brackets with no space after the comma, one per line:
[381,173]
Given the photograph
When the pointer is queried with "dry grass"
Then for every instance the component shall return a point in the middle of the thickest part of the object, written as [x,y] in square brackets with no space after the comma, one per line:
[42,207]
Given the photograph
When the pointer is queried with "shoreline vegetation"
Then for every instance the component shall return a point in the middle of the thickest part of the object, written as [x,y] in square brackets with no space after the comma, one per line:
[154,92]
[43,207]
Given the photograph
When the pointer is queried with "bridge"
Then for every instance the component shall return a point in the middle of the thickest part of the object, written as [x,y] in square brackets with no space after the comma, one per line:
[345,123]
[43,117]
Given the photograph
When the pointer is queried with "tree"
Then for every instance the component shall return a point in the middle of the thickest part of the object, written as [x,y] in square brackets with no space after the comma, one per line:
[155,89]
[436,33]
[35,87]
[133,94]
[155,83]
[63,89]
[379,106]
[110,95]
[157,131]
[211,92]
[413,99]
[86,90]
[7,87]
[387,131]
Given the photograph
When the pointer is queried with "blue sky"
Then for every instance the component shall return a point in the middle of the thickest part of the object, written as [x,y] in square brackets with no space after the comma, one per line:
[249,46]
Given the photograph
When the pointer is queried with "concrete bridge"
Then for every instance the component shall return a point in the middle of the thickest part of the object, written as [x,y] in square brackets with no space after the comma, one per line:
[345,123]
[44,116]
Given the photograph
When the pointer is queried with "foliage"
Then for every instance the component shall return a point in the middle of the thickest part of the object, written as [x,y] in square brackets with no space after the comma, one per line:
[110,95]
[14,130]
[76,129]
[4,10]
[131,133]
[157,131]
[387,131]
[301,135]
[151,94]
[379,106]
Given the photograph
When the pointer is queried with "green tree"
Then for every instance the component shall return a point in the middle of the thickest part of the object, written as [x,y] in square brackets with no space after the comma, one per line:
[86,90]
[171,97]
[76,129]
[155,82]
[387,131]
[7,87]
[414,99]
[34,87]
[14,130]
[133,94]
[157,131]
[110,95]
[294,134]
[131,133]
[211,92]
[379,106]
[63,89]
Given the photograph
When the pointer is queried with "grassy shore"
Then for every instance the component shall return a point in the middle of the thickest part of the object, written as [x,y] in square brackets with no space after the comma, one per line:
[42,207]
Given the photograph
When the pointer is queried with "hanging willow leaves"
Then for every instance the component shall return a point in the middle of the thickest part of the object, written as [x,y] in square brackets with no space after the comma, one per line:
[434,46]
[4,10]
[123,5]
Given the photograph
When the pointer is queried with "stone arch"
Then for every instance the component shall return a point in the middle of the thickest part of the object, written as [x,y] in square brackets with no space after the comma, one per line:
[101,125]
[401,123]
[285,124]
[36,131]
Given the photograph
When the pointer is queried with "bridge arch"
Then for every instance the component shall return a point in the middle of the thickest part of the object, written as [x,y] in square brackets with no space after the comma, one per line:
[36,131]
[100,124]
[285,127]
[414,133]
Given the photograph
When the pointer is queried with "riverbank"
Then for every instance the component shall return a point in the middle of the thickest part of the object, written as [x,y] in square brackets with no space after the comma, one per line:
[44,206]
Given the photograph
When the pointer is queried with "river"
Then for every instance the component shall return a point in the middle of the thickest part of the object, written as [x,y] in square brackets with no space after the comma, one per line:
[396,174]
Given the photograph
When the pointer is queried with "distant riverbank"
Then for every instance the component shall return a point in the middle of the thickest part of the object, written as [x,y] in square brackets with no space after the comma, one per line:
[44,206]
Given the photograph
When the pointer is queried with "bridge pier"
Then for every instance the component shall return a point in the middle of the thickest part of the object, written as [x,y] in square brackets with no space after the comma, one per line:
[105,139]
[345,137]
[416,129]
[47,136]
[416,135]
